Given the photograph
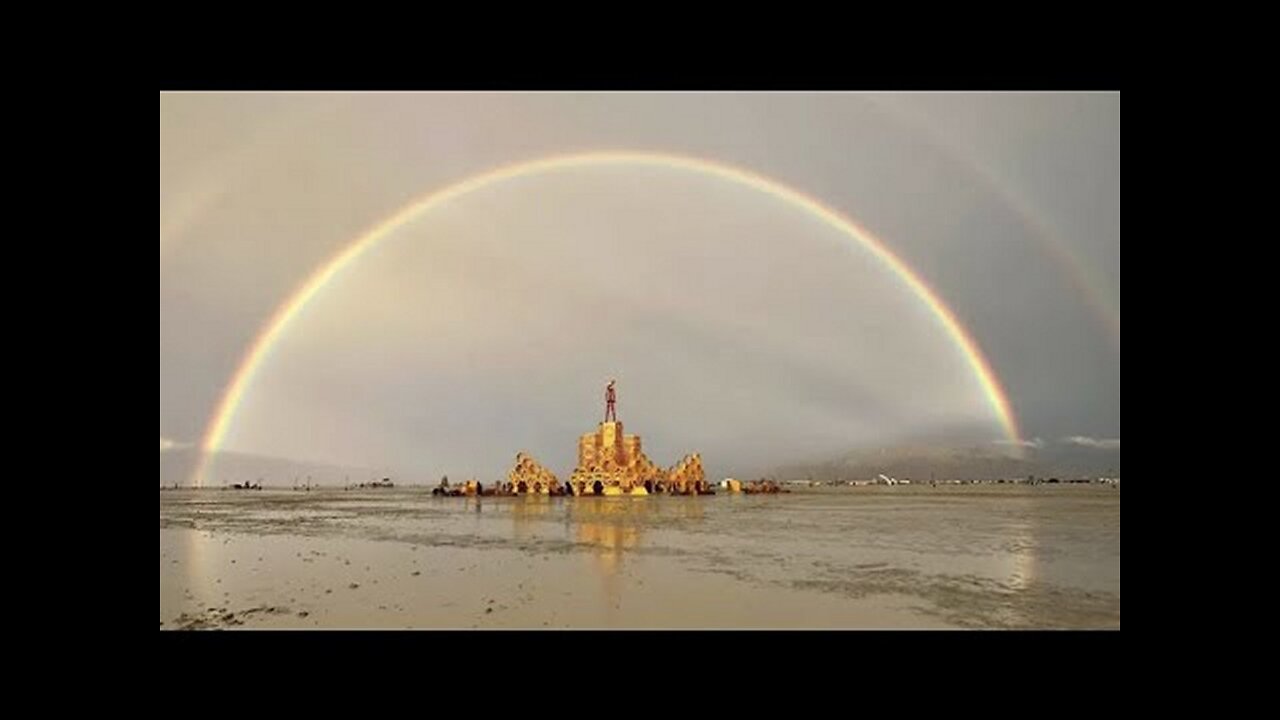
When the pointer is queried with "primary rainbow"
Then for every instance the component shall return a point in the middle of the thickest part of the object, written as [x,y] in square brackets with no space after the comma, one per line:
[275,326]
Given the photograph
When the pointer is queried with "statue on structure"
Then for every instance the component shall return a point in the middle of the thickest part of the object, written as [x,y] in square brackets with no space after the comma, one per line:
[610,398]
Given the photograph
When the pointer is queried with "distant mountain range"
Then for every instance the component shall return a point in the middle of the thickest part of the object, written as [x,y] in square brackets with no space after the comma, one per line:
[179,465]
[922,463]
[918,462]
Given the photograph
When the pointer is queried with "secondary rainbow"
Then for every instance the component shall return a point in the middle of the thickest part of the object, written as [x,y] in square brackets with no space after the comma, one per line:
[1086,283]
[275,326]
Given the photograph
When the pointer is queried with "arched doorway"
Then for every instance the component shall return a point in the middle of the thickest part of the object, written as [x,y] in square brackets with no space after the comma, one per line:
[522,487]
[648,486]
[598,488]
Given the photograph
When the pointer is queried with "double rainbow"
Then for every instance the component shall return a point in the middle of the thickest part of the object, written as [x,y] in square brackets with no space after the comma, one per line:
[275,326]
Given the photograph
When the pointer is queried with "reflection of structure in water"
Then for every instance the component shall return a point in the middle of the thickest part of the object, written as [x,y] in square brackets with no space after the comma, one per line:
[611,463]
[612,527]
[528,515]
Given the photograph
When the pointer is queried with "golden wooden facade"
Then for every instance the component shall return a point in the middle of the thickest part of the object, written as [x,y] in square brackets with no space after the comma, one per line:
[529,476]
[610,462]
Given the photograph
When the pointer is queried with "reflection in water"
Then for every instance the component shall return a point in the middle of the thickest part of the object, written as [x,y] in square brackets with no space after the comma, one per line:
[1023,555]
[1023,551]
[611,527]
[528,512]
[1003,557]
[199,560]
[607,526]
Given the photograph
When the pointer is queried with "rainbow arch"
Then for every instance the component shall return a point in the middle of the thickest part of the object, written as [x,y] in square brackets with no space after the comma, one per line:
[275,326]
[1085,283]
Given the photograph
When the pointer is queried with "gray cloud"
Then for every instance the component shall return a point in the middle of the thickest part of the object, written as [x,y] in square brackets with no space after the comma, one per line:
[1104,444]
[736,325]
[1034,443]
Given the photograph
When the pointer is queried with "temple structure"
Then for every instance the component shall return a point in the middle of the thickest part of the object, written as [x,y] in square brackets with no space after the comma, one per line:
[611,463]
[528,476]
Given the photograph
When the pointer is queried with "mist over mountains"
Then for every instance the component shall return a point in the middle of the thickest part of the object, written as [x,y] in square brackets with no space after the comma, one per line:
[961,463]
[179,466]
[915,462]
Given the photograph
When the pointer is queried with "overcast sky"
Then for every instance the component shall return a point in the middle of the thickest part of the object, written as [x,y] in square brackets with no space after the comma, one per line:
[736,323]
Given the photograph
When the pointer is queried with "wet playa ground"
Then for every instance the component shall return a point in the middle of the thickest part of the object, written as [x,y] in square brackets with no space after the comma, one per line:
[867,557]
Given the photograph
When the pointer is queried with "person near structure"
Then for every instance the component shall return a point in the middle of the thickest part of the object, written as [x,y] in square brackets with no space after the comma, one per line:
[610,399]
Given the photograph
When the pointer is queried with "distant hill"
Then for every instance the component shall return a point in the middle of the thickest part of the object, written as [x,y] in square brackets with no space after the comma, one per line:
[959,463]
[915,462]
[178,466]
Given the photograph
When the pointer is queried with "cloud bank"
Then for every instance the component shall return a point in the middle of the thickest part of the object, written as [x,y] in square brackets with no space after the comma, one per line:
[1100,443]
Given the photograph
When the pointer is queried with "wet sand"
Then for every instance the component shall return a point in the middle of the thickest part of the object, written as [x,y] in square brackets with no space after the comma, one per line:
[891,557]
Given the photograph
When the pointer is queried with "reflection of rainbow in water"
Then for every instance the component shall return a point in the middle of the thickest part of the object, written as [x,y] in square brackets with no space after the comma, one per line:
[274,328]
[1026,551]
[1022,558]
[201,553]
